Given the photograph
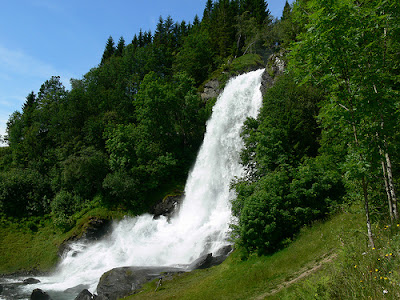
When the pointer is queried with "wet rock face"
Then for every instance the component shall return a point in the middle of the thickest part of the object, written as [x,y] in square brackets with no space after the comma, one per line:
[168,207]
[211,90]
[31,281]
[121,282]
[38,294]
[84,295]
[93,230]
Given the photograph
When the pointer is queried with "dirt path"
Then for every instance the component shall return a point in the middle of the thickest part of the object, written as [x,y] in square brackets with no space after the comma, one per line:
[300,275]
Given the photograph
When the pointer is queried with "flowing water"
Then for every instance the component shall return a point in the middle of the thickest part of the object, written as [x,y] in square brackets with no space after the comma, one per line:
[202,224]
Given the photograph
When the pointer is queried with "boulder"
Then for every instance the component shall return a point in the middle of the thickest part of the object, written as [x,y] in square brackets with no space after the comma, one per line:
[31,281]
[167,207]
[211,90]
[121,282]
[84,295]
[202,262]
[76,289]
[38,294]
[224,251]
[209,260]
[93,230]
[1,289]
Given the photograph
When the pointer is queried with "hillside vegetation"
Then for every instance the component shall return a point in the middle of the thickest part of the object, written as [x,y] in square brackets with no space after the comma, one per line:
[322,148]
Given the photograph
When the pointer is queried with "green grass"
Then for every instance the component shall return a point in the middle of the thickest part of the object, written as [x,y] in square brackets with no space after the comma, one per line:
[28,245]
[31,244]
[257,277]
[359,272]
[328,260]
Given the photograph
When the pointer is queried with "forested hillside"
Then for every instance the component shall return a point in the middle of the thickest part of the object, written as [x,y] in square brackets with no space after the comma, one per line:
[127,133]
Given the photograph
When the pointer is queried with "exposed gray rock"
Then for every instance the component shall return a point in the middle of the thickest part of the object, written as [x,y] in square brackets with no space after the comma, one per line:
[275,67]
[31,281]
[202,262]
[76,289]
[97,297]
[224,251]
[93,230]
[121,282]
[211,90]
[38,294]
[209,260]
[167,207]
[84,295]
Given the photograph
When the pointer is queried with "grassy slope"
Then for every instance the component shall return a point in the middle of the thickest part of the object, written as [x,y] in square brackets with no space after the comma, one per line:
[24,249]
[32,244]
[327,260]
[257,277]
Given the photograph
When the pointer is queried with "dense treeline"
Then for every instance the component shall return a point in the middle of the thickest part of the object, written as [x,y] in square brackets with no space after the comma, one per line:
[327,133]
[129,130]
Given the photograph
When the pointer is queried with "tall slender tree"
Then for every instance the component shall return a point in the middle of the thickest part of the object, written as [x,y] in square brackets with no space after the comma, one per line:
[108,51]
[120,47]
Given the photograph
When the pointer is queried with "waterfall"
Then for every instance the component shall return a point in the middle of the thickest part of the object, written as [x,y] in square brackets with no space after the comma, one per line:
[202,224]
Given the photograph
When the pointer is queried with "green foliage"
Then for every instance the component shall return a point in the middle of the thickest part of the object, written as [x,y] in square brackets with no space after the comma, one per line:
[24,192]
[64,205]
[287,185]
[83,173]
[196,56]
[109,50]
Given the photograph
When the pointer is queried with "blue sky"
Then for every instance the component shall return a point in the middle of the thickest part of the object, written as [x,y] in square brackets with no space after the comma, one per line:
[42,38]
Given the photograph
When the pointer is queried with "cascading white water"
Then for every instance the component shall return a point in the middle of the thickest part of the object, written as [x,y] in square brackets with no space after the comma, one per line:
[203,221]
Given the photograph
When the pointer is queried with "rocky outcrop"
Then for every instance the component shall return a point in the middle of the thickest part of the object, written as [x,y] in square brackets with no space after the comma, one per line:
[211,90]
[93,230]
[275,66]
[84,295]
[121,282]
[167,207]
[31,281]
[38,294]
[209,260]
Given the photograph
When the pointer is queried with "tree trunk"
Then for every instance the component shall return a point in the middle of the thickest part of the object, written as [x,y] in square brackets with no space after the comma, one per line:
[366,206]
[391,186]
[387,191]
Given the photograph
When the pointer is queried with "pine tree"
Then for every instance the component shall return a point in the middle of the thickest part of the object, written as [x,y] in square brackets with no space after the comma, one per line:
[109,50]
[286,11]
[257,9]
[141,38]
[135,41]
[120,47]
[28,108]
[147,38]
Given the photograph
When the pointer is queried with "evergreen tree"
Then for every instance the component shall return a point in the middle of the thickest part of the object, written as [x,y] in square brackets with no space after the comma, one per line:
[108,51]
[120,47]
[286,11]
[257,9]
[147,38]
[141,38]
[28,108]
[135,41]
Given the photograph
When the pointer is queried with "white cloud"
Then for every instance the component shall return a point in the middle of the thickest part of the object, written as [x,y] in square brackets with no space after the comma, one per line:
[17,62]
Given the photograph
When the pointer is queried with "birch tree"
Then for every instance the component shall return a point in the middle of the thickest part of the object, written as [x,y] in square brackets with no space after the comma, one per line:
[348,49]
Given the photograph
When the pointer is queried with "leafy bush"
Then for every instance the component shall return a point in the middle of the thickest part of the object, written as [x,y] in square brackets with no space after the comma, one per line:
[84,172]
[272,210]
[24,192]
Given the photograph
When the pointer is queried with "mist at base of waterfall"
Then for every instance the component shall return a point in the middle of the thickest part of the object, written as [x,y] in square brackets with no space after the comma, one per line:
[202,224]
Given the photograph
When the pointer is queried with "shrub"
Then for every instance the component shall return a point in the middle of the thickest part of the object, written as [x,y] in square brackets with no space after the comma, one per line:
[24,192]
